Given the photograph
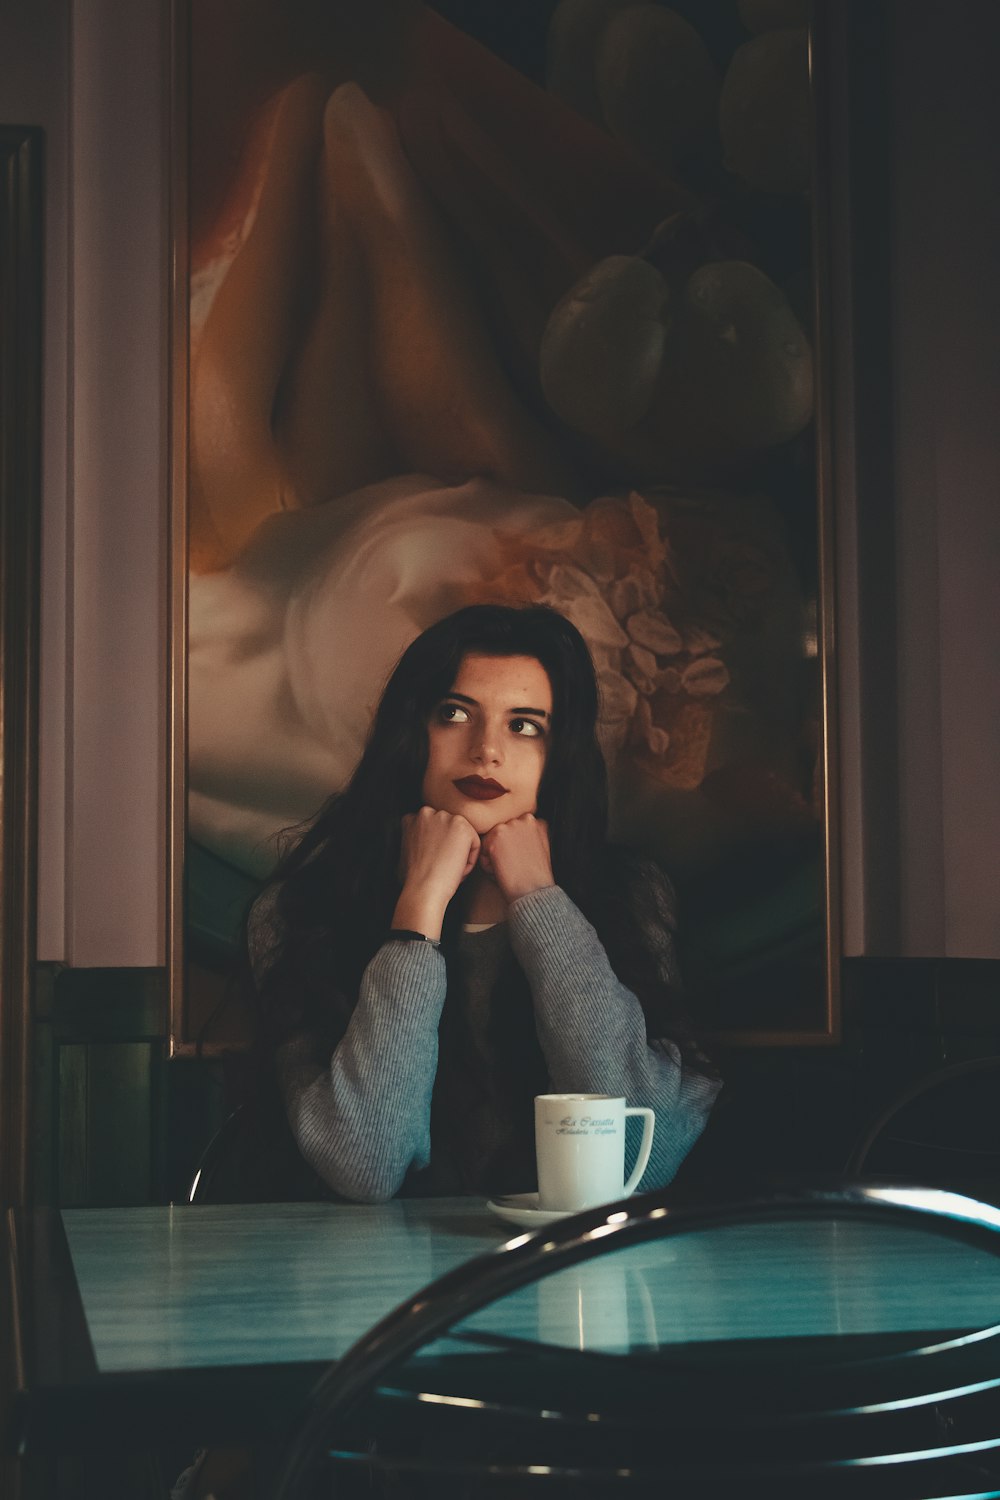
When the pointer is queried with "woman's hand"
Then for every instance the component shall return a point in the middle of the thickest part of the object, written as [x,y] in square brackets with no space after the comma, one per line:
[517,856]
[439,850]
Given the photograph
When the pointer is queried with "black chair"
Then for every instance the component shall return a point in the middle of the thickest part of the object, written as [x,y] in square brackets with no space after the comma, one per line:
[253,1158]
[220,1162]
[943,1128]
[430,1404]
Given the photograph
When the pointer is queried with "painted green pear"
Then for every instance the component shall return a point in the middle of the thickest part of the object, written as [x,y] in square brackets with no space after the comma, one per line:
[657,83]
[603,344]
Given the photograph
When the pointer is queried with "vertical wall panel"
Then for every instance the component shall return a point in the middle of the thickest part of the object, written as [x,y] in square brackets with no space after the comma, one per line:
[105,1125]
[34,87]
[946,310]
[919,524]
[116,724]
[72,1145]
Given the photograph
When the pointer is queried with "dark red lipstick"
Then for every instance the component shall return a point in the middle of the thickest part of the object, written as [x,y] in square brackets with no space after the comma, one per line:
[480,788]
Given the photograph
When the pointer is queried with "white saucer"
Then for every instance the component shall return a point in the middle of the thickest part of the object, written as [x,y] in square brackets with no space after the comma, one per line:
[522,1209]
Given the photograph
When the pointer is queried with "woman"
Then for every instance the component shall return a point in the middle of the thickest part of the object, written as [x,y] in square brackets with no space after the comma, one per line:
[453,934]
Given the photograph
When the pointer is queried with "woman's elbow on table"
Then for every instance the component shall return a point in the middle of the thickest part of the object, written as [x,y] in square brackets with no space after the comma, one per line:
[362,1175]
[369,1183]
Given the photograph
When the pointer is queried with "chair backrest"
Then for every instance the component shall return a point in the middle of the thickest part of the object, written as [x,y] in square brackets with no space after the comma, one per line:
[252,1158]
[434,1390]
[217,1159]
[942,1128]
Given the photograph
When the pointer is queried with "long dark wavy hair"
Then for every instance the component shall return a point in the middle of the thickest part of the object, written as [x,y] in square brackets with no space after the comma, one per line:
[336,887]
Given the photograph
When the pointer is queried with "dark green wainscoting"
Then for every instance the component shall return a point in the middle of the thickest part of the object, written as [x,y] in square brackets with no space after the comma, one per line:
[114,1121]
[99,1085]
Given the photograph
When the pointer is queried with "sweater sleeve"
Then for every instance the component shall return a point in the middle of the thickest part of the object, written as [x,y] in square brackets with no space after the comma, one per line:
[592,1029]
[361,1116]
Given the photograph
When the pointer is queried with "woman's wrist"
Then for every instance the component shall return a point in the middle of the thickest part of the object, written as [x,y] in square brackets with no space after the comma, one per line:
[406,935]
[418,912]
[527,888]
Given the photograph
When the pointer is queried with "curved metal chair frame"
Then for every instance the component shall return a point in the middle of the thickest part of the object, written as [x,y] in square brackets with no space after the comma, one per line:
[246,1161]
[215,1155]
[528,1257]
[922,1087]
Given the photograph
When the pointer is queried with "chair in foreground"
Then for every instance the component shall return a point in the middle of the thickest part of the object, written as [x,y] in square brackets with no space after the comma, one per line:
[749,1347]
[943,1128]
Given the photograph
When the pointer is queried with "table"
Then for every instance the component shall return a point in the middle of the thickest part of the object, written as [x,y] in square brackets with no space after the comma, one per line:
[219,1318]
[222,1316]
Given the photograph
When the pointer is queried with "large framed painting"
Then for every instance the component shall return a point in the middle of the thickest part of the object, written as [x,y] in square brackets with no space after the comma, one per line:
[507,300]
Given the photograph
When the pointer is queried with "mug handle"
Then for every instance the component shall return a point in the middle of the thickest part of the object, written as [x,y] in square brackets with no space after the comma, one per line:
[645,1148]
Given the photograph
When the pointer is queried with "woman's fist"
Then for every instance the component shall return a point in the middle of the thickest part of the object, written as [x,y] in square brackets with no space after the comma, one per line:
[439,849]
[517,856]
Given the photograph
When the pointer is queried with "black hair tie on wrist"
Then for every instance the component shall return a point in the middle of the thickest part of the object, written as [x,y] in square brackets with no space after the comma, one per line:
[405,935]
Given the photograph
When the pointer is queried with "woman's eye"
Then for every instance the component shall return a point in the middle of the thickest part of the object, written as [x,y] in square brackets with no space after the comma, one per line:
[526,727]
[453,713]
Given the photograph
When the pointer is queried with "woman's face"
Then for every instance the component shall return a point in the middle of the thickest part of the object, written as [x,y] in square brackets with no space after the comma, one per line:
[487,740]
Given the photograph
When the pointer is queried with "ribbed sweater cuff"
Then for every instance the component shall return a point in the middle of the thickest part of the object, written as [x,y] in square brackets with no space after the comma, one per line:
[413,970]
[550,934]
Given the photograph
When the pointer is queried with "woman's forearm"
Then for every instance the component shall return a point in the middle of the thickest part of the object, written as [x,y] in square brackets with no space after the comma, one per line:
[592,1028]
[362,1117]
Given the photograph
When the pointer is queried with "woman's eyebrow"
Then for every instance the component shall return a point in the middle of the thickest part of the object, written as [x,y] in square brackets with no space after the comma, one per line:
[539,713]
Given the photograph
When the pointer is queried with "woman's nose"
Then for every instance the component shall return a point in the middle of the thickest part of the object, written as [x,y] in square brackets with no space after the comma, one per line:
[486,748]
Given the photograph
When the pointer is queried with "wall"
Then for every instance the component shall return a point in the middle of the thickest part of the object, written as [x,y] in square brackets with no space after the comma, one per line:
[919,524]
[115,729]
[946,312]
[917,559]
[94,77]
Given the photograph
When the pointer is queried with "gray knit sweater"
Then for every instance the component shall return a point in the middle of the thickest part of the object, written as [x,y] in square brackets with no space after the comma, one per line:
[361,1116]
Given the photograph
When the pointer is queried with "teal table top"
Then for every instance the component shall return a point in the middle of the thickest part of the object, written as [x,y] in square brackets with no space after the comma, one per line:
[226,1315]
[172,1288]
[168,1288]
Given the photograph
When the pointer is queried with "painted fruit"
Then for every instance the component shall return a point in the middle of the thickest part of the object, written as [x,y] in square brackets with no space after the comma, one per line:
[764,111]
[737,370]
[603,344]
[657,83]
[767,15]
[574,32]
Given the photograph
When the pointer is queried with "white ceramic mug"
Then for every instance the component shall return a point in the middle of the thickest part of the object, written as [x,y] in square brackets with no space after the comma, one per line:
[580,1149]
